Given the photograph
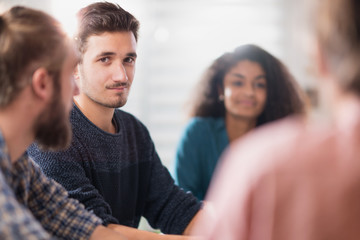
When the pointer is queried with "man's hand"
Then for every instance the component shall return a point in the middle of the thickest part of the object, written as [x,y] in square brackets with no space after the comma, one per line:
[103,233]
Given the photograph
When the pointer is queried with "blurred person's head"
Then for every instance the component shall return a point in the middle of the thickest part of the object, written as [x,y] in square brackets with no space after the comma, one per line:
[274,90]
[338,36]
[101,17]
[33,47]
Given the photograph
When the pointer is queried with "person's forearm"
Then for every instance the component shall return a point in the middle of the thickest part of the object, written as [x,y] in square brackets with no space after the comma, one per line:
[136,234]
[103,233]
[190,226]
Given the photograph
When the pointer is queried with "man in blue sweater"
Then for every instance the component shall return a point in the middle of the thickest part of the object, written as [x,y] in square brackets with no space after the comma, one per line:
[37,61]
[112,166]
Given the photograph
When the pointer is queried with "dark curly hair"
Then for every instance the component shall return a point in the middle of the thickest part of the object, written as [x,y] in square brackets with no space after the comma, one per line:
[283,93]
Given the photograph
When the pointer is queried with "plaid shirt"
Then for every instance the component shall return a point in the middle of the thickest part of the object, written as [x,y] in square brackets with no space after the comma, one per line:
[35,207]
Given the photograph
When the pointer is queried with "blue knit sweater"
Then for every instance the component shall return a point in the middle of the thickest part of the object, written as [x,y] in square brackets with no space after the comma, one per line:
[118,176]
[201,145]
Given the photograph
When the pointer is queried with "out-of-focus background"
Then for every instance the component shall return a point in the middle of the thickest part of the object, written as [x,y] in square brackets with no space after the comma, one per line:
[180,38]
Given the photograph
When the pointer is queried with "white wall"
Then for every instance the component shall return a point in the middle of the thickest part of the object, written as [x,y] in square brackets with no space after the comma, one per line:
[179,39]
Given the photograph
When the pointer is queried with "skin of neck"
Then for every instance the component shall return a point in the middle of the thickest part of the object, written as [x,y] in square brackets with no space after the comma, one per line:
[333,99]
[99,115]
[237,127]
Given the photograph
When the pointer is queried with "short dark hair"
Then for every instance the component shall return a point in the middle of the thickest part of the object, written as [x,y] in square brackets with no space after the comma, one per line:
[29,39]
[101,17]
[283,94]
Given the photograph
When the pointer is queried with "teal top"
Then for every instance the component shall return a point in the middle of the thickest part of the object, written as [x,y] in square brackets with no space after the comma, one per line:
[203,141]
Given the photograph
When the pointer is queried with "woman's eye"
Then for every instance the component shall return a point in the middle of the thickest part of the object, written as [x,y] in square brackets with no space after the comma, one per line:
[260,85]
[238,83]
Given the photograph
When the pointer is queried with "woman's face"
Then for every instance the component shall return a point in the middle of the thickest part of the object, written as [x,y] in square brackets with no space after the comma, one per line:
[245,90]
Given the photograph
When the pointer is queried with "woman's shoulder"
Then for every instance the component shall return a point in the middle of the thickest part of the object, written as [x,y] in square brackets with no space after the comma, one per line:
[210,121]
[205,124]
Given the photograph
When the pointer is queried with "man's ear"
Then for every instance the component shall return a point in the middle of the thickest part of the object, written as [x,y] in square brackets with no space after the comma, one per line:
[42,84]
[76,73]
[77,77]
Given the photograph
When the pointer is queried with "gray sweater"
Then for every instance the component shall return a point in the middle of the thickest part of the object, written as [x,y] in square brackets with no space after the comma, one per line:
[118,176]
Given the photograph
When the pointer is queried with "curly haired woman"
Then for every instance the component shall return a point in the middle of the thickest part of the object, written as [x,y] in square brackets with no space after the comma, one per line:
[241,90]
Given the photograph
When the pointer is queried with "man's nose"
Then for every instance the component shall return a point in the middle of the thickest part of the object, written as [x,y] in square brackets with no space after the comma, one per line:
[119,73]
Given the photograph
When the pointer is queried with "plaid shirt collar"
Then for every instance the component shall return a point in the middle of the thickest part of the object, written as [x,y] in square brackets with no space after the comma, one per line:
[13,172]
[5,162]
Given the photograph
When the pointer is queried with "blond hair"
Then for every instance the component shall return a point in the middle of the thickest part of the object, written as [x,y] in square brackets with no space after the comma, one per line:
[29,39]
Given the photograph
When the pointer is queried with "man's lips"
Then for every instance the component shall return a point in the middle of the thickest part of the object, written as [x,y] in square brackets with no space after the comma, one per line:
[118,87]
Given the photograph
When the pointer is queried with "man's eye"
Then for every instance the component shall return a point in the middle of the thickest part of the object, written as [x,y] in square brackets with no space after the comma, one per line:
[129,60]
[104,59]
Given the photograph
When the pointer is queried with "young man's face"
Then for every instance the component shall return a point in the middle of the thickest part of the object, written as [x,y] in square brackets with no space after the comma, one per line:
[107,69]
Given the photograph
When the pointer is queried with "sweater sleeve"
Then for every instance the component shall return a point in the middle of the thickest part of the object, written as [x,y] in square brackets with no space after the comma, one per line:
[188,170]
[168,207]
[67,168]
